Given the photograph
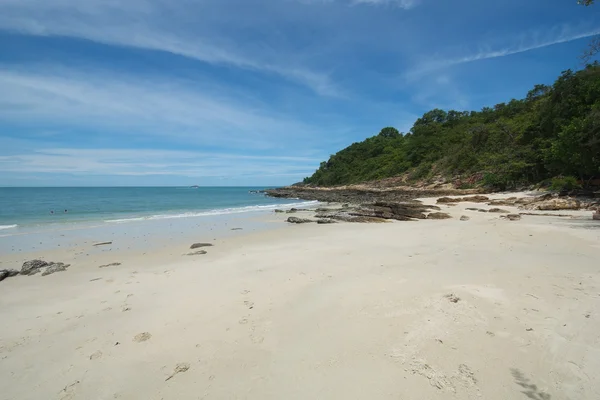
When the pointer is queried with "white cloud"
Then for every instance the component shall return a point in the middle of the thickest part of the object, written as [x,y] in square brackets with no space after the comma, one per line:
[193,28]
[179,111]
[143,162]
[406,4]
[527,42]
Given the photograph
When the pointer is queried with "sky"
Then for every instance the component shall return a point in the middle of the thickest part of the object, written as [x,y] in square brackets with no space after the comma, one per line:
[252,92]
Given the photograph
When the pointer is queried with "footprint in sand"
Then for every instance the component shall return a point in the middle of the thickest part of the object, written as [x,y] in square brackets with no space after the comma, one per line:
[142,337]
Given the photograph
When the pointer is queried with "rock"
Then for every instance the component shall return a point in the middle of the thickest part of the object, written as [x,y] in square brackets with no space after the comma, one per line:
[33,267]
[464,218]
[449,200]
[438,215]
[55,267]
[142,337]
[474,209]
[596,216]
[198,245]
[325,221]
[295,220]
[8,273]
[115,264]
[197,253]
[102,243]
[472,199]
[558,204]
[512,217]
[498,210]
[279,211]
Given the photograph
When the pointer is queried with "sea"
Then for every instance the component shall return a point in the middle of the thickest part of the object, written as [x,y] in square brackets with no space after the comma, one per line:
[22,208]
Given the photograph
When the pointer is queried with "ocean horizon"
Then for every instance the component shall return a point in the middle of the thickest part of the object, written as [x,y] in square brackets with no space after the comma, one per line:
[22,207]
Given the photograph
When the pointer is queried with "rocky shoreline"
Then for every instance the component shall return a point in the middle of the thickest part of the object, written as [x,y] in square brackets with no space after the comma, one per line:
[368,204]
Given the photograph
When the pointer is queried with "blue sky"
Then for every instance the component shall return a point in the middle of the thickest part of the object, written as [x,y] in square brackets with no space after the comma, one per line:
[241,92]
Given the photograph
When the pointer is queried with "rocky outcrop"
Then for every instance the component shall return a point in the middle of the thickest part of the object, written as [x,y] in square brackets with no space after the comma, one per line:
[46,268]
[360,194]
[472,199]
[558,204]
[55,267]
[8,273]
[296,220]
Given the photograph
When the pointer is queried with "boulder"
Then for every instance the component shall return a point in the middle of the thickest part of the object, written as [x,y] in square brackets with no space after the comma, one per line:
[464,218]
[55,267]
[295,220]
[559,204]
[498,210]
[449,200]
[596,216]
[438,215]
[512,217]
[33,267]
[279,211]
[8,273]
[198,245]
[322,221]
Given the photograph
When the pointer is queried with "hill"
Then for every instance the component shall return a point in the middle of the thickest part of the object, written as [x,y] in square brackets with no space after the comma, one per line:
[553,132]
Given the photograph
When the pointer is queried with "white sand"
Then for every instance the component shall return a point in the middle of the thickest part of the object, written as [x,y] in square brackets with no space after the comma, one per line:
[345,311]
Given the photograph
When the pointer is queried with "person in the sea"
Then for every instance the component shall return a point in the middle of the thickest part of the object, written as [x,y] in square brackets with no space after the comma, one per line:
[51,211]
[66,211]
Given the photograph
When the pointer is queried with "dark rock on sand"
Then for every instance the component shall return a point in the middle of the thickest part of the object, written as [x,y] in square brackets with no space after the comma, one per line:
[464,218]
[596,216]
[512,217]
[115,264]
[197,253]
[438,215]
[295,220]
[322,221]
[33,267]
[198,245]
[55,267]
[8,273]
[498,210]
[472,199]
[279,211]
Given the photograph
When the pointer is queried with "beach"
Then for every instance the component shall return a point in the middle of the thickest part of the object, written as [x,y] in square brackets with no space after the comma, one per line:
[432,309]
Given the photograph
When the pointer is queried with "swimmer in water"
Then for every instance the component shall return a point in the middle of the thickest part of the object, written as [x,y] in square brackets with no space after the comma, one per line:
[51,211]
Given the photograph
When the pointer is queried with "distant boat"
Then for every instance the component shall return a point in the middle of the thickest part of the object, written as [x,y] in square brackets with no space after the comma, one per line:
[195,187]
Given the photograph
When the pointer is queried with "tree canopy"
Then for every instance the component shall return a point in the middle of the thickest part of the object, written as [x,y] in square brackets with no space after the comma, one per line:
[553,131]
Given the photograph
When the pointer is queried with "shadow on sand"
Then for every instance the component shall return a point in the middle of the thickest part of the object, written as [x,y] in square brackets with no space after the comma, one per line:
[531,390]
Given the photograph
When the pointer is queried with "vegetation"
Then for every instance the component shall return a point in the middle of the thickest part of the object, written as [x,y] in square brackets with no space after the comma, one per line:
[553,132]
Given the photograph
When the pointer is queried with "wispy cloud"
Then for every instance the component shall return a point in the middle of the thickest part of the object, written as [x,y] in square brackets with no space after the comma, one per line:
[186,30]
[406,4]
[527,42]
[180,111]
[142,162]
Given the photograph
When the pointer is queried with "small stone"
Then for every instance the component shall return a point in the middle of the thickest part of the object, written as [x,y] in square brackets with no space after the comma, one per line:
[464,218]
[438,215]
[512,217]
[498,210]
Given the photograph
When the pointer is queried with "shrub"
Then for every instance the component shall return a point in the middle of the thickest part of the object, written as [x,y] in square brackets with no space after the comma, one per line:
[561,183]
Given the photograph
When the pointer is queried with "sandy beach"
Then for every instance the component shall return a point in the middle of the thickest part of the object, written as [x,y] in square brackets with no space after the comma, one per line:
[482,308]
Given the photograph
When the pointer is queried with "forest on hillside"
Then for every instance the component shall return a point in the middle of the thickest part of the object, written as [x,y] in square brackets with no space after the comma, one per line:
[554,132]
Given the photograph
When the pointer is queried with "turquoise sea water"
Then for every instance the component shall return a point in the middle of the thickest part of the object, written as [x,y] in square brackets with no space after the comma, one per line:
[25,207]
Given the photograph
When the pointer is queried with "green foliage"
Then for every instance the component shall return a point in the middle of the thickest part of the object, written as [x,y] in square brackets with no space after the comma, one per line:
[561,183]
[554,131]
